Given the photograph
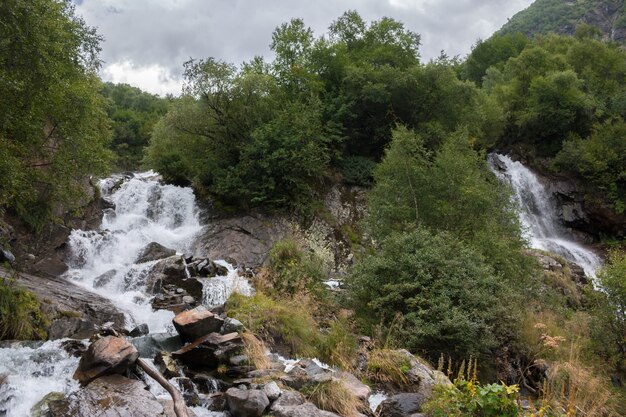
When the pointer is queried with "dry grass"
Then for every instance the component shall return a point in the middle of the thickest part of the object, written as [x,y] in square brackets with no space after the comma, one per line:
[334,397]
[256,351]
[388,366]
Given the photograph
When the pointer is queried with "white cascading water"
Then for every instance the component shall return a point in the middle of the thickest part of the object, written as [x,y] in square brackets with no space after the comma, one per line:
[145,211]
[537,211]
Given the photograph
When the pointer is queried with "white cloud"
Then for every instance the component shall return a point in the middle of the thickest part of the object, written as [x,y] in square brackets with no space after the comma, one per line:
[146,40]
[153,78]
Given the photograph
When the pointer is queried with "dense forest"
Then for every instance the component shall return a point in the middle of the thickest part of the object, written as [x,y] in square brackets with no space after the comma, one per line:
[444,268]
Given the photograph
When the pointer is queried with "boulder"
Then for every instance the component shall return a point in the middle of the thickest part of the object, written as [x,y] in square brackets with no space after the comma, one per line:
[140,330]
[231,325]
[167,365]
[293,404]
[210,350]
[272,390]
[193,324]
[402,405]
[104,279]
[153,252]
[109,355]
[112,395]
[246,403]
[74,312]
[172,272]
[151,344]
[6,256]
[354,385]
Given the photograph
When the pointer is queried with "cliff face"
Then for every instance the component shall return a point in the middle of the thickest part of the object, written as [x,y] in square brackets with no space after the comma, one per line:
[563,16]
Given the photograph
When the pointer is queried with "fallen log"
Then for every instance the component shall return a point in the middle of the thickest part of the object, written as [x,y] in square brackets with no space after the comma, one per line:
[179,403]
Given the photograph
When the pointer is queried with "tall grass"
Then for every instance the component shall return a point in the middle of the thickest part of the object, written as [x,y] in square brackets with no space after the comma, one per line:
[21,317]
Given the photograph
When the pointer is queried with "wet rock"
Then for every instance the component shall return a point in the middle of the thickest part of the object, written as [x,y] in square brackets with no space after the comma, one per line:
[210,350]
[42,408]
[246,403]
[112,395]
[171,272]
[231,325]
[193,324]
[140,330]
[151,344]
[104,279]
[75,348]
[402,405]
[153,252]
[167,365]
[106,356]
[188,389]
[74,312]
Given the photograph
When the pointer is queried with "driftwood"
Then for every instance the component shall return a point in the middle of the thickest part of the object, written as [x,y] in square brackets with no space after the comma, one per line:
[179,403]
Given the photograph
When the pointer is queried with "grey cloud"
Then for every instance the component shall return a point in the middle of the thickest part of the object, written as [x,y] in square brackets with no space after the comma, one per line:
[168,32]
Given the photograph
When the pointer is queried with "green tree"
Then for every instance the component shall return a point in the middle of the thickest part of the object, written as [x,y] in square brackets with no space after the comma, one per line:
[53,127]
[450,300]
[494,51]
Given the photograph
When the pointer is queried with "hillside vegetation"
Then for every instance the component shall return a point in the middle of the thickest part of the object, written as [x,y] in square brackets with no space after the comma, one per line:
[608,17]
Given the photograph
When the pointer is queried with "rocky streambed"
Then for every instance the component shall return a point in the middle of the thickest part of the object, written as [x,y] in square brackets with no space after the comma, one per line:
[146,289]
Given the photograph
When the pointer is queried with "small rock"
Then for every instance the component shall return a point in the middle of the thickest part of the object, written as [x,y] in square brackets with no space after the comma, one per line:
[153,252]
[167,365]
[179,290]
[246,403]
[140,330]
[402,405]
[30,257]
[272,390]
[75,348]
[6,256]
[104,279]
[188,299]
[231,325]
[194,324]
[239,360]
[109,355]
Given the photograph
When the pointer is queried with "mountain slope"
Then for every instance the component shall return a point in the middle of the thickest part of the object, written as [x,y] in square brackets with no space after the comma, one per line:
[562,16]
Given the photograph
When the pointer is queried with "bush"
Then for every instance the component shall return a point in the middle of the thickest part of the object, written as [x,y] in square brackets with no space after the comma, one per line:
[292,271]
[291,322]
[388,366]
[358,170]
[468,398]
[449,299]
[21,317]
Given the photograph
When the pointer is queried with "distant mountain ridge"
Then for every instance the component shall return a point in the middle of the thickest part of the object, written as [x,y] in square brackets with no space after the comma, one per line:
[563,16]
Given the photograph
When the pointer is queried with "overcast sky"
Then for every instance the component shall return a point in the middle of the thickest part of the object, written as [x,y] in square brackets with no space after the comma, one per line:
[147,41]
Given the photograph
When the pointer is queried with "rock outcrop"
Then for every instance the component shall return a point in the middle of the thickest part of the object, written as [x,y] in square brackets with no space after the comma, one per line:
[113,395]
[193,324]
[106,356]
[153,252]
[73,311]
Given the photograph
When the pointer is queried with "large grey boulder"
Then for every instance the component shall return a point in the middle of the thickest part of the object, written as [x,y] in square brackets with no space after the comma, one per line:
[112,395]
[293,404]
[73,311]
[106,356]
[193,324]
[402,405]
[246,403]
[153,252]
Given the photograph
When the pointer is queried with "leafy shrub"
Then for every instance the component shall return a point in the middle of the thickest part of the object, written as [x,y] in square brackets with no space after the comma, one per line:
[450,300]
[292,270]
[21,317]
[358,170]
[290,321]
[468,398]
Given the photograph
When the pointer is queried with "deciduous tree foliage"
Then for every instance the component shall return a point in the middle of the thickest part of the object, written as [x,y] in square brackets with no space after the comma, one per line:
[53,127]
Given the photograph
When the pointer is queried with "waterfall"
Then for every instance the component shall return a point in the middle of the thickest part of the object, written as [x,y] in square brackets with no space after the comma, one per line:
[144,211]
[537,211]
